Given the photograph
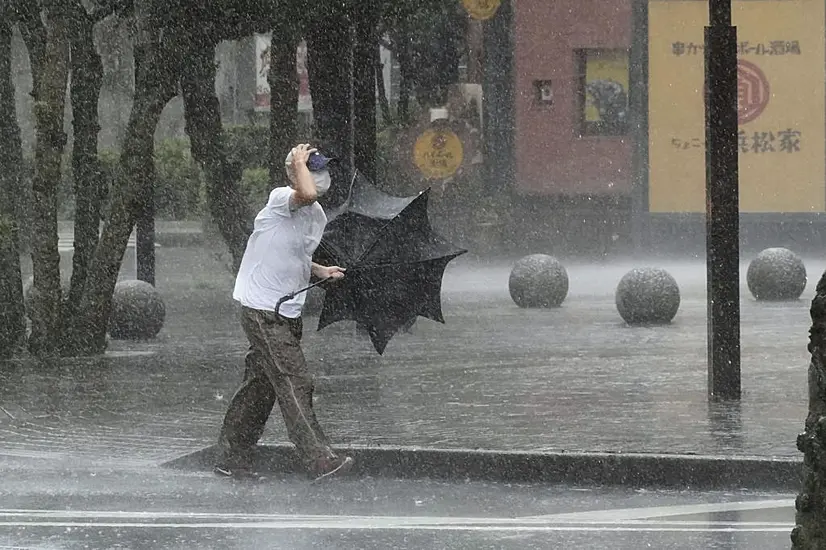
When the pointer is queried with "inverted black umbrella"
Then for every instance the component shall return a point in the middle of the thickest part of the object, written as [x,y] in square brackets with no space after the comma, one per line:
[394,260]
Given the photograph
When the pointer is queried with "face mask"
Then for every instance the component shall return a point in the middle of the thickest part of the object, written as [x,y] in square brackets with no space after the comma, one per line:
[322,182]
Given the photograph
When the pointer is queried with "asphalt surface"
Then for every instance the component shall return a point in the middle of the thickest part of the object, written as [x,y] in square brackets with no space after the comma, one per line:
[70,504]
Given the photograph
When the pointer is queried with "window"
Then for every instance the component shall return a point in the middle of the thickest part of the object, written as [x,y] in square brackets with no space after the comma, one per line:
[603,92]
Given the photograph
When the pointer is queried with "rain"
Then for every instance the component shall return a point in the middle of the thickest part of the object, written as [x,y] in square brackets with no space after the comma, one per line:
[379,274]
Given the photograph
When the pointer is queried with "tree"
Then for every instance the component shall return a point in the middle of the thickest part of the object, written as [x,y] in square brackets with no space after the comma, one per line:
[175,46]
[52,66]
[158,61]
[87,79]
[810,531]
[427,39]
[203,125]
[12,322]
[283,84]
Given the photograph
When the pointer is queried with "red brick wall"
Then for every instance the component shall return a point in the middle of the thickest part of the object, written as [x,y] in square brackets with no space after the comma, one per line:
[551,157]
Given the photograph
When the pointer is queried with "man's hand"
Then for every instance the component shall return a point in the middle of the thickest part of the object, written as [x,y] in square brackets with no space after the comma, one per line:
[328,272]
[305,192]
[301,153]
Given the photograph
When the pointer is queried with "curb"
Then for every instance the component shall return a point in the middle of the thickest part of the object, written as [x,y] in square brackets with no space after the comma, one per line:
[624,469]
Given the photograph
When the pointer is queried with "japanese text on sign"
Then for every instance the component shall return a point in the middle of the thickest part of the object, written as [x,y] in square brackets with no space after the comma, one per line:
[438,154]
[775,47]
[781,105]
[783,141]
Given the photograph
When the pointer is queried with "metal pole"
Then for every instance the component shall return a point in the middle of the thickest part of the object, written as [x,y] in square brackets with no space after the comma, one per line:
[498,82]
[145,246]
[722,204]
[145,224]
[638,99]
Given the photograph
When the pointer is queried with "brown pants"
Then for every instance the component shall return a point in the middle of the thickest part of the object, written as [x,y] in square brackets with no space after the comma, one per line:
[275,371]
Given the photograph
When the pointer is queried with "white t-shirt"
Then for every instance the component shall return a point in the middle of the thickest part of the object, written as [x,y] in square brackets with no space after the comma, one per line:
[279,253]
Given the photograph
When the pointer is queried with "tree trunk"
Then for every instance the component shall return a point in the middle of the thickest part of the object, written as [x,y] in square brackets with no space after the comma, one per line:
[87,77]
[403,55]
[34,35]
[381,89]
[283,81]
[156,80]
[329,52]
[203,125]
[810,531]
[364,91]
[49,105]
[12,315]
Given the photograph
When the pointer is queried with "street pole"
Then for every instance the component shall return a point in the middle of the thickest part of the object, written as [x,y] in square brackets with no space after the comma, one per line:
[638,99]
[722,204]
[145,223]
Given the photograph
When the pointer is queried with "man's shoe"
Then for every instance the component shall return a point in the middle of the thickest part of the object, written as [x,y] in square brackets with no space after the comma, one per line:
[326,468]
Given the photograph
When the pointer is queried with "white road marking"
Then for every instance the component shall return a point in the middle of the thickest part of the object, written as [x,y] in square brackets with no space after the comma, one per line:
[84,519]
[403,527]
[666,511]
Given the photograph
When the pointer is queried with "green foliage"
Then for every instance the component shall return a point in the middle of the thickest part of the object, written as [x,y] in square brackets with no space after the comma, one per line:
[255,187]
[248,146]
[178,181]
[427,38]
[179,184]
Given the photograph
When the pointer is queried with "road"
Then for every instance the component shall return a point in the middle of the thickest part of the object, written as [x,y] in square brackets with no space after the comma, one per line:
[70,504]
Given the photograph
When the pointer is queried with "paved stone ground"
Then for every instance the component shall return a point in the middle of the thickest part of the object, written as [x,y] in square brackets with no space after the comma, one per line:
[494,377]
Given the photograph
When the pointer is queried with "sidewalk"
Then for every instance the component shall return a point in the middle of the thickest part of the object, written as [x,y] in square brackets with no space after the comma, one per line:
[494,377]
[170,234]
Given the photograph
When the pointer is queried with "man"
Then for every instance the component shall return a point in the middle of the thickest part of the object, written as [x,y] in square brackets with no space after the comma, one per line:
[278,262]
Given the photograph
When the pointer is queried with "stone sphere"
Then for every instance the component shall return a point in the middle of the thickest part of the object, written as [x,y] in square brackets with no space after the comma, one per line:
[138,312]
[538,280]
[776,274]
[648,295]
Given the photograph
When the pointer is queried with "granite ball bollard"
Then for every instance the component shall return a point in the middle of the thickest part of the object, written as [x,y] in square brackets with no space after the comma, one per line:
[648,296]
[776,274]
[138,312]
[537,281]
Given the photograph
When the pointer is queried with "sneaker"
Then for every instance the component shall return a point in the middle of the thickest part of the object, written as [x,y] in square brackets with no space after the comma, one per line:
[326,468]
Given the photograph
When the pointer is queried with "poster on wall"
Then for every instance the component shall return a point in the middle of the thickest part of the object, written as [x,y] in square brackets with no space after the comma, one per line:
[781,105]
[262,70]
[605,111]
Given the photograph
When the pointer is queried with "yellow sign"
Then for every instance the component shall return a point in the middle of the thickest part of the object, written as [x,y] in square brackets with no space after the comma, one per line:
[782,105]
[438,153]
[482,9]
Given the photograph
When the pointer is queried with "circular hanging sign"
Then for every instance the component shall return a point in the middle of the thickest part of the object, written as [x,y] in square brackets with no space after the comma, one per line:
[482,9]
[753,91]
[438,153]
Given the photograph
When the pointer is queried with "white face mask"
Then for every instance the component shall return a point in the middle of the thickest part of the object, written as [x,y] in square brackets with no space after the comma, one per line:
[322,182]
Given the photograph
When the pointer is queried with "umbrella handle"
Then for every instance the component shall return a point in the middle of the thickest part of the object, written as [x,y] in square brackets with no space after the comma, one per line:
[289,297]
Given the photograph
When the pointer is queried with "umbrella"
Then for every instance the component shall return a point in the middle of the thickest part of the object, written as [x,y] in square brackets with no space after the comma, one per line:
[395,262]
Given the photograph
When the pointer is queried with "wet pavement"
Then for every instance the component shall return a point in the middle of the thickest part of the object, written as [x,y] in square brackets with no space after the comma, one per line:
[494,377]
[71,504]
[81,439]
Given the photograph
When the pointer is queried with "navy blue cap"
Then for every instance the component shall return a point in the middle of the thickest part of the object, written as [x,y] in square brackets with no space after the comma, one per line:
[318,162]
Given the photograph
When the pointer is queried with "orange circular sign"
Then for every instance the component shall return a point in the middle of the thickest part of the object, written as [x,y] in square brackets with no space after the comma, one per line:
[482,9]
[438,153]
[753,91]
